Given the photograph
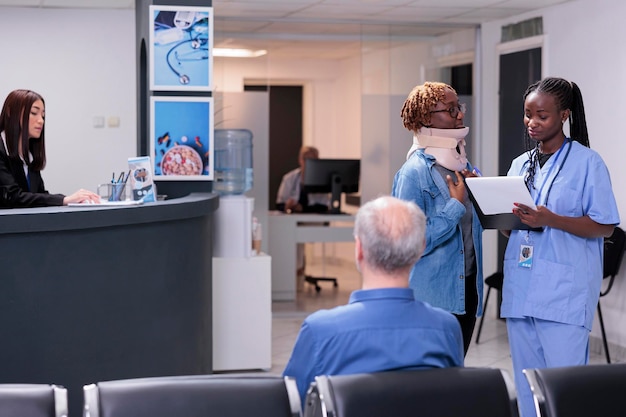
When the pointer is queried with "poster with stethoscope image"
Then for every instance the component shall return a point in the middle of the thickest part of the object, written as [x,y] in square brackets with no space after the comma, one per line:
[181,138]
[181,48]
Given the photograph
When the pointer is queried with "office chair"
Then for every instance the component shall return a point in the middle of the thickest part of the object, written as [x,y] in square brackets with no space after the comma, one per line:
[313,280]
[230,395]
[33,400]
[494,281]
[613,254]
[579,391]
[442,392]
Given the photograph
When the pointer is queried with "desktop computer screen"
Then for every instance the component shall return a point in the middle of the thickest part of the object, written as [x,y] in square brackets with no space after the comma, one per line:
[334,176]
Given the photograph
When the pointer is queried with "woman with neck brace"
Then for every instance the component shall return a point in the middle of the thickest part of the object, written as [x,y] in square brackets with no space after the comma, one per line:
[449,275]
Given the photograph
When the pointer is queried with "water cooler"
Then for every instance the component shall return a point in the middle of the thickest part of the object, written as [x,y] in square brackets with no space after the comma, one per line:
[232,226]
[242,306]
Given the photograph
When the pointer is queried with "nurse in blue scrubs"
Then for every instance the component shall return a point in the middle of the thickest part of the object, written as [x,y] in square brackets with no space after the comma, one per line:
[552,277]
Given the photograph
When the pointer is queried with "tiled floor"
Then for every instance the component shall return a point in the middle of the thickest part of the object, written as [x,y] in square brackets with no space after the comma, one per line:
[493,350]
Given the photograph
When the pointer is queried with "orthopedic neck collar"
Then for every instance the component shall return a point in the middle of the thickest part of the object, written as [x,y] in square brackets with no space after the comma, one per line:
[446,145]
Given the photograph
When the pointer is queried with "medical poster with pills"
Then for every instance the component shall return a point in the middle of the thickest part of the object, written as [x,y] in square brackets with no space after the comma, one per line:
[180,48]
[181,138]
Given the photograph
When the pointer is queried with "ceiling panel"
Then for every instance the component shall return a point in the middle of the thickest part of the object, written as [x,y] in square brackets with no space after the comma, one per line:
[424,14]
[485,15]
[309,27]
[96,4]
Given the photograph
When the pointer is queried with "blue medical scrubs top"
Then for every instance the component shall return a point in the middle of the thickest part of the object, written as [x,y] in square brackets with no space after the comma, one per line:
[563,282]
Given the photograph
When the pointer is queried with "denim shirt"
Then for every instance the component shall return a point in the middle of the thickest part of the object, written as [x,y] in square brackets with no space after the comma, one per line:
[438,278]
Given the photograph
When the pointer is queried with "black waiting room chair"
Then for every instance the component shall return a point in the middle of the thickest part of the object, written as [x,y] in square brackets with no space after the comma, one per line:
[32,400]
[441,392]
[231,395]
[579,391]
[613,254]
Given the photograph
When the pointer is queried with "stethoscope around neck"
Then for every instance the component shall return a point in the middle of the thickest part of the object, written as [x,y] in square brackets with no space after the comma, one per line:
[527,162]
[197,45]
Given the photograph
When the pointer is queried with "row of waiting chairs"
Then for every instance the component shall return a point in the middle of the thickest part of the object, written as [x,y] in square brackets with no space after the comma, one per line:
[460,392]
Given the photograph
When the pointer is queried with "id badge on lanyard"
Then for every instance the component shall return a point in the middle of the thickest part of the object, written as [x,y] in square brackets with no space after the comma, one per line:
[526,247]
[526,252]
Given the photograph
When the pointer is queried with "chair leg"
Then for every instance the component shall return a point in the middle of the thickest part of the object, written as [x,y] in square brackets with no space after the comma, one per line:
[606,345]
[315,280]
[482,318]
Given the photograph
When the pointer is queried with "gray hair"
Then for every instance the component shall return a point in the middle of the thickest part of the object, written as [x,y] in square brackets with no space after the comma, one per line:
[391,232]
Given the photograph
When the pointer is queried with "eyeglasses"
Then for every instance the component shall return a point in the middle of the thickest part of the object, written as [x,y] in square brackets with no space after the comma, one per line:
[453,111]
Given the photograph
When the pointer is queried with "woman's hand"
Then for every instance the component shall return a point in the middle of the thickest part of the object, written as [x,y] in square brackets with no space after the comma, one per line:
[533,218]
[457,191]
[581,226]
[82,196]
[469,174]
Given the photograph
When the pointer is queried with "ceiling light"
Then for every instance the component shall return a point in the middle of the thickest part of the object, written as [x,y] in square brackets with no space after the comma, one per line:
[238,53]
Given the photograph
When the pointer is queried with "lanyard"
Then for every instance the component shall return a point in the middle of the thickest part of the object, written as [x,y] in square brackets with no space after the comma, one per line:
[556,158]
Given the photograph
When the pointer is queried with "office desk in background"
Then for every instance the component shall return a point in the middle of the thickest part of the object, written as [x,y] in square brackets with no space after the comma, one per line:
[286,230]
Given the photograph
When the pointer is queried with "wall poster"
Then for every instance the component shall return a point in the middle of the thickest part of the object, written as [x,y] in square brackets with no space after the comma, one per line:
[181,48]
[181,138]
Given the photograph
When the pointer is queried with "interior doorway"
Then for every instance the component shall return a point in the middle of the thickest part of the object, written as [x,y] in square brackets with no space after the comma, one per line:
[285,132]
[517,71]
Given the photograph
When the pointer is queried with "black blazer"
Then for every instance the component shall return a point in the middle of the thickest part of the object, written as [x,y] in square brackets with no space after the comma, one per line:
[14,191]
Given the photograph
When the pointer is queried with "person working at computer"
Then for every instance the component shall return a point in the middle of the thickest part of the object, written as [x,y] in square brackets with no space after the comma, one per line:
[293,198]
[23,155]
[432,177]
[383,327]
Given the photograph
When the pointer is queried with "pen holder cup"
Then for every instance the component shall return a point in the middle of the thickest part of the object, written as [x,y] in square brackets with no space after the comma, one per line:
[114,192]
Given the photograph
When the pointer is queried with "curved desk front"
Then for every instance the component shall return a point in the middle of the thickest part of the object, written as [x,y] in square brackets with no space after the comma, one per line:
[98,293]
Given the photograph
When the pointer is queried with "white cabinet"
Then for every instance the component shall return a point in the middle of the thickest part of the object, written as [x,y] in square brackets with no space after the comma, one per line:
[242,313]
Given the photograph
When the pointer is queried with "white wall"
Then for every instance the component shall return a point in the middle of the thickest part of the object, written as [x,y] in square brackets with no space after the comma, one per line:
[83,63]
[582,43]
[332,111]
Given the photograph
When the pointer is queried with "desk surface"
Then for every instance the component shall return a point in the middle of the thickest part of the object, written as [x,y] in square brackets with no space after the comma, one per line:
[287,230]
[318,217]
[49,219]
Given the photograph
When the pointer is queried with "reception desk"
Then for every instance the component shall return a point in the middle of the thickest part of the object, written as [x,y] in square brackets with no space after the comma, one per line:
[286,230]
[98,293]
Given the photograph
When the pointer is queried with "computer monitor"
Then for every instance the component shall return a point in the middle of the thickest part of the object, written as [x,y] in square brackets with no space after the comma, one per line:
[334,176]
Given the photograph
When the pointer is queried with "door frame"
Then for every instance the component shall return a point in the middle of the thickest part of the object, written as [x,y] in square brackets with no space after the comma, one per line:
[506,48]
[307,101]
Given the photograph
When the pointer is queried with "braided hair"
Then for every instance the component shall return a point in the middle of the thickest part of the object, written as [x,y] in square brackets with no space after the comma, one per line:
[416,109]
[567,95]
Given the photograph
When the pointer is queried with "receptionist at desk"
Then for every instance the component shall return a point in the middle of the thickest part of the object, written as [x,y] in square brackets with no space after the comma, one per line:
[23,155]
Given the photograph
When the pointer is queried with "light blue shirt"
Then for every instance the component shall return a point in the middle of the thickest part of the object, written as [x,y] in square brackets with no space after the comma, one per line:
[290,188]
[563,282]
[379,330]
[438,278]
